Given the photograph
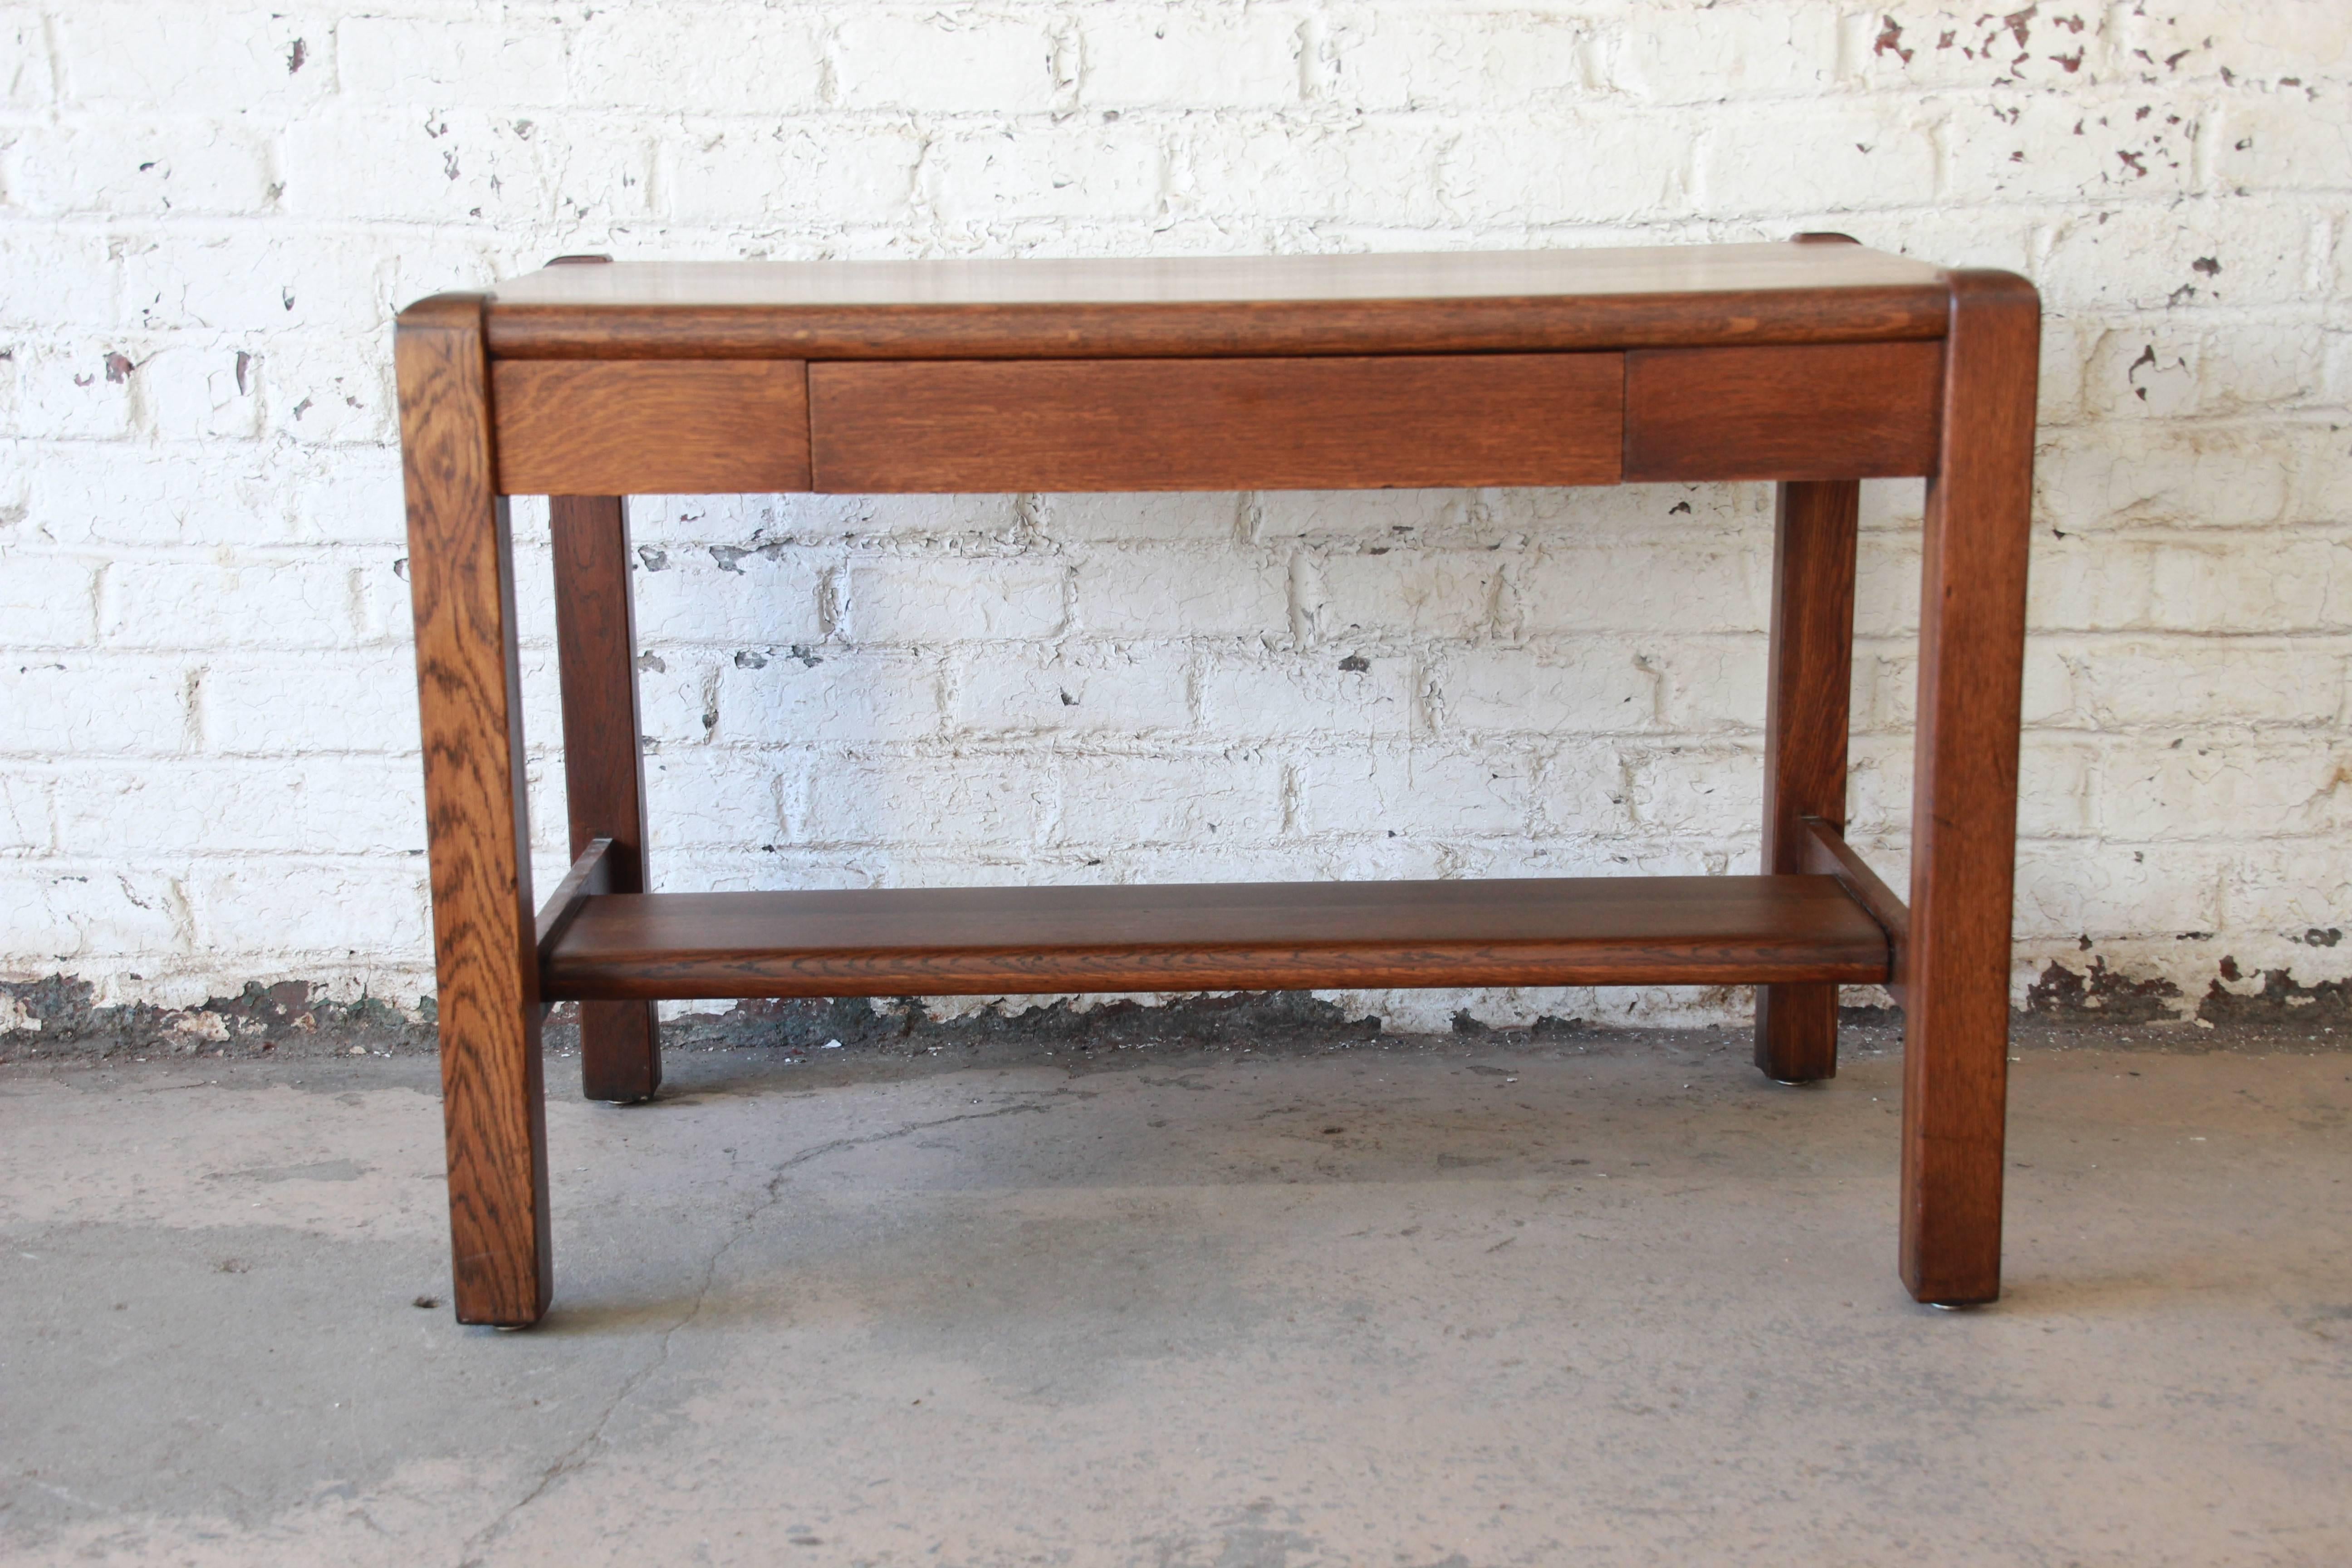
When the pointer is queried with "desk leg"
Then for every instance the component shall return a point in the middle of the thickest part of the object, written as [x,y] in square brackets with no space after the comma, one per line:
[1805,725]
[461,581]
[1964,801]
[603,769]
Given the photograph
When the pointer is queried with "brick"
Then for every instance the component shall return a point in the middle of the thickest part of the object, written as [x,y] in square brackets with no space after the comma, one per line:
[191,394]
[119,166]
[2301,40]
[1692,584]
[27,818]
[2121,475]
[1598,688]
[72,916]
[1146,591]
[190,56]
[716,173]
[1077,170]
[326,392]
[2289,886]
[828,696]
[56,280]
[1254,693]
[2090,583]
[740,60]
[1123,801]
[356,804]
[2286,142]
[1602,165]
[1354,599]
[2125,257]
[241,280]
[2205,787]
[1694,789]
[1393,58]
[941,62]
[379,904]
[1129,689]
[281,602]
[916,601]
[2036,148]
[2143,682]
[1311,168]
[1176,517]
[2100,890]
[960,799]
[1388,517]
[85,705]
[450,62]
[1144,57]
[1914,46]
[47,601]
[770,599]
[1585,790]
[1685,56]
[1427,791]
[78,391]
[2278,585]
[2242,368]
[1773,157]
[457,165]
[25,79]
[360,700]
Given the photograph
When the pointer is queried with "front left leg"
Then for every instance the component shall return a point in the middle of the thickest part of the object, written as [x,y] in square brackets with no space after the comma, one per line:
[486,960]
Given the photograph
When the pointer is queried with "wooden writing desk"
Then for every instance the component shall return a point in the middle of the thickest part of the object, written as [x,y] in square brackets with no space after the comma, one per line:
[1815,363]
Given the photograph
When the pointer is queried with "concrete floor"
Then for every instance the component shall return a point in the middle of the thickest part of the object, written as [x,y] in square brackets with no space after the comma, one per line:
[1453,1303]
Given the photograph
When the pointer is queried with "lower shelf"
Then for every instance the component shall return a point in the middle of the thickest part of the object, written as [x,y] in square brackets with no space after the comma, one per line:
[1265,936]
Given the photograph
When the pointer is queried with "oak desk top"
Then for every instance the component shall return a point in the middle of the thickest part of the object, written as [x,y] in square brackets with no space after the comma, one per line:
[1460,301]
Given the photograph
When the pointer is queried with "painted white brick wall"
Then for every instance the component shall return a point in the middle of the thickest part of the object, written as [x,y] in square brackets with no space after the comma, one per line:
[209,210]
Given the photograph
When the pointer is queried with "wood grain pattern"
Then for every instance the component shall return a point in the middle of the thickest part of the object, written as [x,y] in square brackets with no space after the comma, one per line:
[587,428]
[603,767]
[1276,423]
[1823,412]
[1964,802]
[1457,302]
[1808,678]
[980,940]
[461,580]
[1827,854]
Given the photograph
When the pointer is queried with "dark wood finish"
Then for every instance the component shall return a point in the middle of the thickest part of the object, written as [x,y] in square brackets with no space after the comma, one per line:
[1666,930]
[1265,423]
[582,427]
[590,874]
[1456,303]
[1810,674]
[1827,854]
[1823,412]
[1814,363]
[461,581]
[1964,800]
[603,769]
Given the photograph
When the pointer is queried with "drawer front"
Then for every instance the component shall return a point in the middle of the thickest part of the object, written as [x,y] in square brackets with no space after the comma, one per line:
[1836,411]
[607,428]
[1217,424]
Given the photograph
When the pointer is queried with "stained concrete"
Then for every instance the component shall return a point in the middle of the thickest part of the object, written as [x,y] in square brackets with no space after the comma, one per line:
[1479,1301]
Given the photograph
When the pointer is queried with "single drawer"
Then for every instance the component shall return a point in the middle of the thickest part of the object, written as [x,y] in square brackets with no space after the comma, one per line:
[1832,410]
[618,428]
[1217,424]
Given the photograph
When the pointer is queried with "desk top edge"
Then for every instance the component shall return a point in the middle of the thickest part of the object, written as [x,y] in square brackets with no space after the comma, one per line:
[1398,279]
